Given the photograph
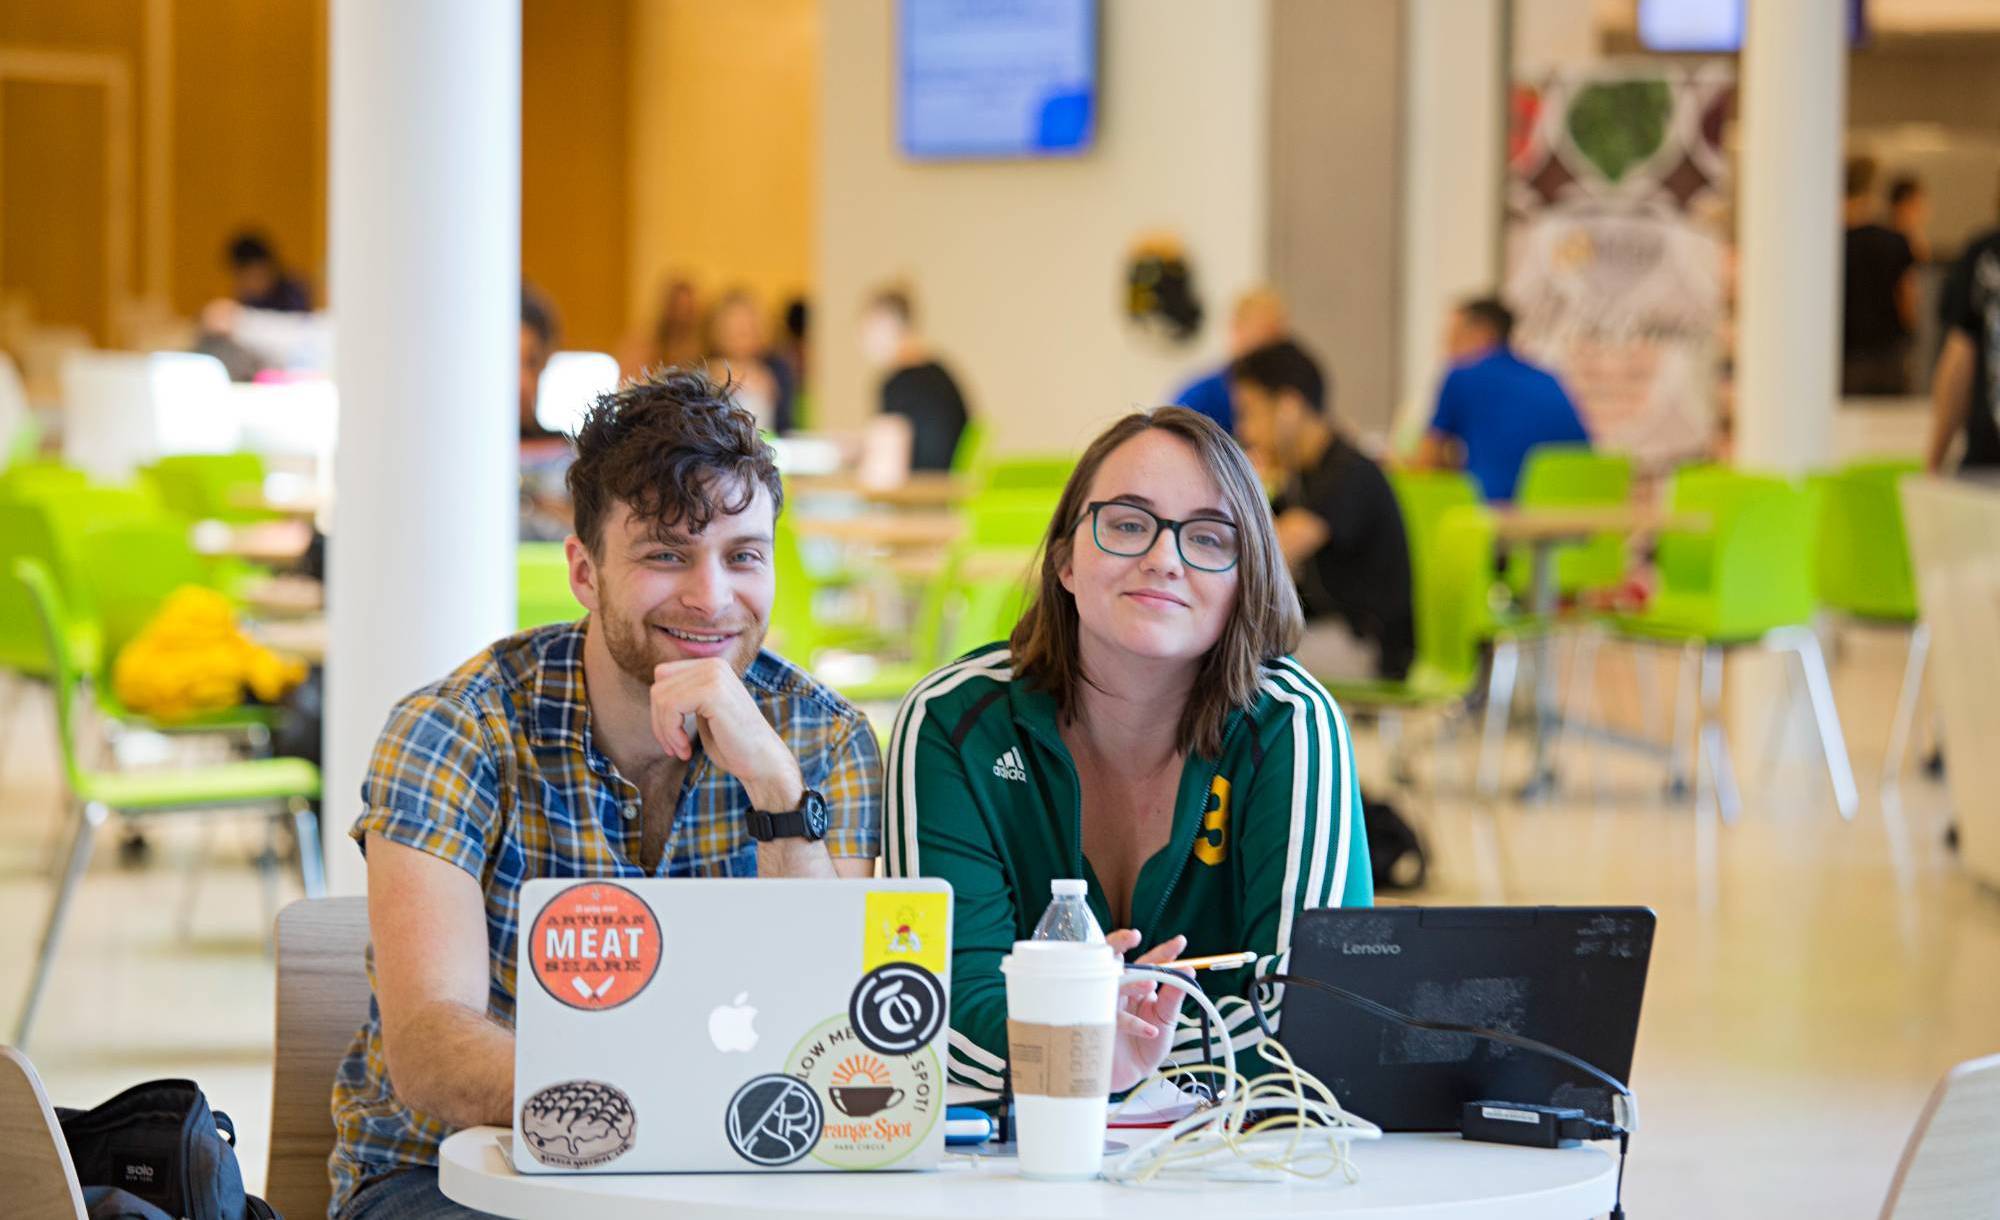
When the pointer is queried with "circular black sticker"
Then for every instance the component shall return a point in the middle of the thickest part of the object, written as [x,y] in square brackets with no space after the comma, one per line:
[577,1124]
[897,1008]
[774,1120]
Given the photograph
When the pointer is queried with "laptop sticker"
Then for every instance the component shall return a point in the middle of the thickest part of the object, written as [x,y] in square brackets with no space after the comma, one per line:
[595,946]
[905,927]
[578,1124]
[897,1008]
[881,1106]
[773,1120]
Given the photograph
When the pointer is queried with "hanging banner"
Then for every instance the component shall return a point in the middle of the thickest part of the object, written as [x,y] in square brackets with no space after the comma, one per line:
[1618,190]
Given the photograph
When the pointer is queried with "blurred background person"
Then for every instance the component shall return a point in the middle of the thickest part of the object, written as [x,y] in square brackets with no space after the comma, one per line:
[1879,296]
[920,399]
[1338,522]
[259,281]
[1494,406]
[735,339]
[793,349]
[1910,214]
[1258,318]
[1965,389]
[538,341]
[674,337]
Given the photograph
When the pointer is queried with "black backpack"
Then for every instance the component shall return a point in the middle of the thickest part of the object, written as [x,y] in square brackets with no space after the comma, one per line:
[158,1150]
[1395,853]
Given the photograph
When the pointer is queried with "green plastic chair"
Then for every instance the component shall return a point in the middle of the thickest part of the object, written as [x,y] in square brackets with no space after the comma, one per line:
[1575,476]
[969,456]
[1424,496]
[798,630]
[286,786]
[210,486]
[1029,472]
[1745,582]
[1865,575]
[542,590]
[26,480]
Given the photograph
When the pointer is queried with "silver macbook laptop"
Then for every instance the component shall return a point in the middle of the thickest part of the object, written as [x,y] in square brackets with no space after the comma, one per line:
[673,1026]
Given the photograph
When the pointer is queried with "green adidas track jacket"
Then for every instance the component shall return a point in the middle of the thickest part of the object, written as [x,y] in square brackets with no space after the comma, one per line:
[982,792]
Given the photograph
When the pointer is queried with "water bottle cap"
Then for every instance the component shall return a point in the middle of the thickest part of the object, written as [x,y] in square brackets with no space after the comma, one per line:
[1070,888]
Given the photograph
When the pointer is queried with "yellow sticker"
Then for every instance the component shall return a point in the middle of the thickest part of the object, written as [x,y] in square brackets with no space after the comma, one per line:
[1211,846]
[906,927]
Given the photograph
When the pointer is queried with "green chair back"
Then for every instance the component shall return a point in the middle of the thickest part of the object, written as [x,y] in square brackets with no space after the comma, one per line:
[201,486]
[1010,520]
[127,569]
[29,480]
[542,590]
[1453,605]
[1863,558]
[49,615]
[1751,571]
[970,455]
[1029,472]
[1575,476]
[24,536]
[1424,496]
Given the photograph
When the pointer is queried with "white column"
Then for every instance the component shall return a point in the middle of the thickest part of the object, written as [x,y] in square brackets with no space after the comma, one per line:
[1788,327]
[1455,126]
[425,240]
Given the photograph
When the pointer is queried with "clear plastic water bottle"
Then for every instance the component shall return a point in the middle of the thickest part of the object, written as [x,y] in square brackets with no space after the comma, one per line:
[1068,917]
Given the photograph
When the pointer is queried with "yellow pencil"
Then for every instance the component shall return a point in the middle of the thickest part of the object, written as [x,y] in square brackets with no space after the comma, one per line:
[1220,961]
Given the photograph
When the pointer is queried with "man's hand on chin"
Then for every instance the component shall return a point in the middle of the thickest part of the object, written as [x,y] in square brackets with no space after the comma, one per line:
[733,731]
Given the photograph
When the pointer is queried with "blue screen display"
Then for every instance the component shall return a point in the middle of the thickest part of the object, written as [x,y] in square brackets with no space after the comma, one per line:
[998,78]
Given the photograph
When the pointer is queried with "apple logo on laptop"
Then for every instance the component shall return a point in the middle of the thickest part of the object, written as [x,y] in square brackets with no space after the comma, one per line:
[729,1026]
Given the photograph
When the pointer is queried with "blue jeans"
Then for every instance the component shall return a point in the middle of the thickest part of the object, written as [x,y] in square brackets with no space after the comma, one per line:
[411,1194]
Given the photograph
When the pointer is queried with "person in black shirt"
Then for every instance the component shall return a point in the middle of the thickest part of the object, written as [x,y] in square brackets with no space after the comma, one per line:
[259,281]
[915,388]
[1337,519]
[1965,389]
[1879,294]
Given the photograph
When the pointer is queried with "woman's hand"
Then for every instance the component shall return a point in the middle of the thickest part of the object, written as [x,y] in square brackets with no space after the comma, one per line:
[1147,1013]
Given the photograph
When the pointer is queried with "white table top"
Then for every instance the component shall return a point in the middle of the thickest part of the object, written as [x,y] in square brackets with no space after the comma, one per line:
[1434,1177]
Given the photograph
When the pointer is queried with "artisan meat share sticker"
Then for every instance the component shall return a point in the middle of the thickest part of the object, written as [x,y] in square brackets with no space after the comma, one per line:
[773,1120]
[595,946]
[879,1108]
[578,1124]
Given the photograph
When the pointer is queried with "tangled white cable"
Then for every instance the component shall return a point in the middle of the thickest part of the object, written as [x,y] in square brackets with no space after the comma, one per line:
[1310,1136]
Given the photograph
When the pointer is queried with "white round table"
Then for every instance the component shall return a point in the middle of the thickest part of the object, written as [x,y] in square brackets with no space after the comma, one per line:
[1432,1177]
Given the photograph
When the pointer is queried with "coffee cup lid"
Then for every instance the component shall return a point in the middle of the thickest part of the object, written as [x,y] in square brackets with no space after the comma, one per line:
[1062,958]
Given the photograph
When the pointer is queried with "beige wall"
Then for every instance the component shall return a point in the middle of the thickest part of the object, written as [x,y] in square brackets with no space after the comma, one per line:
[1336,136]
[722,146]
[1018,267]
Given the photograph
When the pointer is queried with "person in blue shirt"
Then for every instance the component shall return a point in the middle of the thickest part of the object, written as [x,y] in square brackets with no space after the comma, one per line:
[1258,319]
[1494,406]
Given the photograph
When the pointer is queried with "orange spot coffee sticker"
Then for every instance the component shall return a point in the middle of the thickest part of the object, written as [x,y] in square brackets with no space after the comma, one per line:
[595,946]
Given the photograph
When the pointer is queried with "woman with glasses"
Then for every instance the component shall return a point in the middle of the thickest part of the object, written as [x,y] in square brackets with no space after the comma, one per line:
[1143,729]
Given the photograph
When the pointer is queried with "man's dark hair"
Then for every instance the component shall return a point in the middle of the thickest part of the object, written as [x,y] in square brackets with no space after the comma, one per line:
[1280,366]
[1491,313]
[1859,176]
[1902,187]
[248,248]
[537,315]
[674,446]
[897,302]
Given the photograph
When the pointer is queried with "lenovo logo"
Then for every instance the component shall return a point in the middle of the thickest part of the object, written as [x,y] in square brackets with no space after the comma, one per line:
[1348,950]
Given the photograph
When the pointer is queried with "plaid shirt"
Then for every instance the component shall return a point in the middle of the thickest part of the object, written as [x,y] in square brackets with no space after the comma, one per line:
[493,769]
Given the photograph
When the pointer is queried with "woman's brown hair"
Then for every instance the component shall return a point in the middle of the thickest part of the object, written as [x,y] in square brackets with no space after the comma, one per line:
[1265,622]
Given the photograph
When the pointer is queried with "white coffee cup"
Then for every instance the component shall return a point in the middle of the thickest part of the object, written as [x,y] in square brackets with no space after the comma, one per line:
[1062,1027]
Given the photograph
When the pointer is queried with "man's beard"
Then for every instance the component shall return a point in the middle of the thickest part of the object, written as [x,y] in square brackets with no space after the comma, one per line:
[637,648]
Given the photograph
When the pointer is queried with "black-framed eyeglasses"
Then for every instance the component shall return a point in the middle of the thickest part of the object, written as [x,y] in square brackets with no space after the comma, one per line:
[1207,544]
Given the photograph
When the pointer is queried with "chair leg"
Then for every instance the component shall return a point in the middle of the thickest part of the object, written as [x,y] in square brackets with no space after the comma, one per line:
[1714,741]
[89,818]
[1684,764]
[1826,716]
[1499,704]
[312,860]
[1906,705]
[1777,735]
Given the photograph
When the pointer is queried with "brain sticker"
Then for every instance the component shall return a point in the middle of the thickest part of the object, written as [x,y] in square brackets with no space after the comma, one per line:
[897,1008]
[594,946]
[774,1120]
[577,1124]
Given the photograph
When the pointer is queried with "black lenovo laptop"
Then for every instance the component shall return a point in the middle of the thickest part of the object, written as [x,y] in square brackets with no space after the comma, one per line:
[1571,977]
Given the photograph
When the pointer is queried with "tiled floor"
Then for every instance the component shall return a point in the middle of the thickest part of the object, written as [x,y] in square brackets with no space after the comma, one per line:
[1797,1015]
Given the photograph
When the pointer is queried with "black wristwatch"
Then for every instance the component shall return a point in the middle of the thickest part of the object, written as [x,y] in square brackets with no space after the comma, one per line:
[807,822]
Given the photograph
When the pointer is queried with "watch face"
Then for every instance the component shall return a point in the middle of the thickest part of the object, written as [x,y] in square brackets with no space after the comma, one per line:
[815,811]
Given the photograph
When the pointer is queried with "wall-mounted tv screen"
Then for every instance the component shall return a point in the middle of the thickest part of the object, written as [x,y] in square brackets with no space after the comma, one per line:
[1716,25]
[998,78]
